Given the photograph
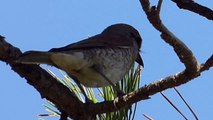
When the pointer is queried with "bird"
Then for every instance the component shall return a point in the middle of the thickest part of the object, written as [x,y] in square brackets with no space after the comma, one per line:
[98,61]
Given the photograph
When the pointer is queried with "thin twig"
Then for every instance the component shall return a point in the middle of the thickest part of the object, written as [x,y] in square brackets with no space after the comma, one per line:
[207,64]
[46,115]
[159,6]
[186,103]
[146,116]
[173,105]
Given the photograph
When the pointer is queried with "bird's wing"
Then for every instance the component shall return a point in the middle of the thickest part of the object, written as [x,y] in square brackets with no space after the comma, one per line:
[98,41]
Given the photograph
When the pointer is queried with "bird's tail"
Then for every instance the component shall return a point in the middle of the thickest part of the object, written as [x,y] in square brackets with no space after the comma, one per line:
[35,57]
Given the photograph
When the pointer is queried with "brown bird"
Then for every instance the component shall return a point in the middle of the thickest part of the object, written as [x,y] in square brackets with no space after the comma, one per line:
[98,61]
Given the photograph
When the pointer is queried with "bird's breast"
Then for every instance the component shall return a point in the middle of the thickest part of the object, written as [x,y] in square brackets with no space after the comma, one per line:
[112,63]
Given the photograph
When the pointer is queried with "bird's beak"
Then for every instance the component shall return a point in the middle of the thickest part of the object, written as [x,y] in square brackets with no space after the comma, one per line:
[139,60]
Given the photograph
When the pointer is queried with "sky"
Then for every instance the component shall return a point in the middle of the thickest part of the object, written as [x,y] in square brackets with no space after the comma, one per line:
[44,24]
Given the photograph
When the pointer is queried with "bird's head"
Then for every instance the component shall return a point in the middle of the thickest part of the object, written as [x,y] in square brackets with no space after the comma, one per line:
[130,35]
[127,30]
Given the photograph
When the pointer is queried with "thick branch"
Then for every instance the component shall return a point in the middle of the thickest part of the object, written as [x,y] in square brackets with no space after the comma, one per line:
[41,80]
[195,7]
[143,93]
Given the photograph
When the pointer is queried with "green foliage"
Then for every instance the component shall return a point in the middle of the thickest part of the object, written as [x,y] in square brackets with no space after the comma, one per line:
[129,83]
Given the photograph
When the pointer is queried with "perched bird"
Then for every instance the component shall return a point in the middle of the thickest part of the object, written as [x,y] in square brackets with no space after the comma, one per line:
[98,61]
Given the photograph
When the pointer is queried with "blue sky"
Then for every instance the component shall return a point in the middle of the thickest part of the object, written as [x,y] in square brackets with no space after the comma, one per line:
[43,24]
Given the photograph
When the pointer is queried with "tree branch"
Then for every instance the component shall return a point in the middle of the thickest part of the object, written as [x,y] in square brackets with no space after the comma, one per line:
[42,81]
[66,101]
[207,64]
[183,52]
[195,7]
